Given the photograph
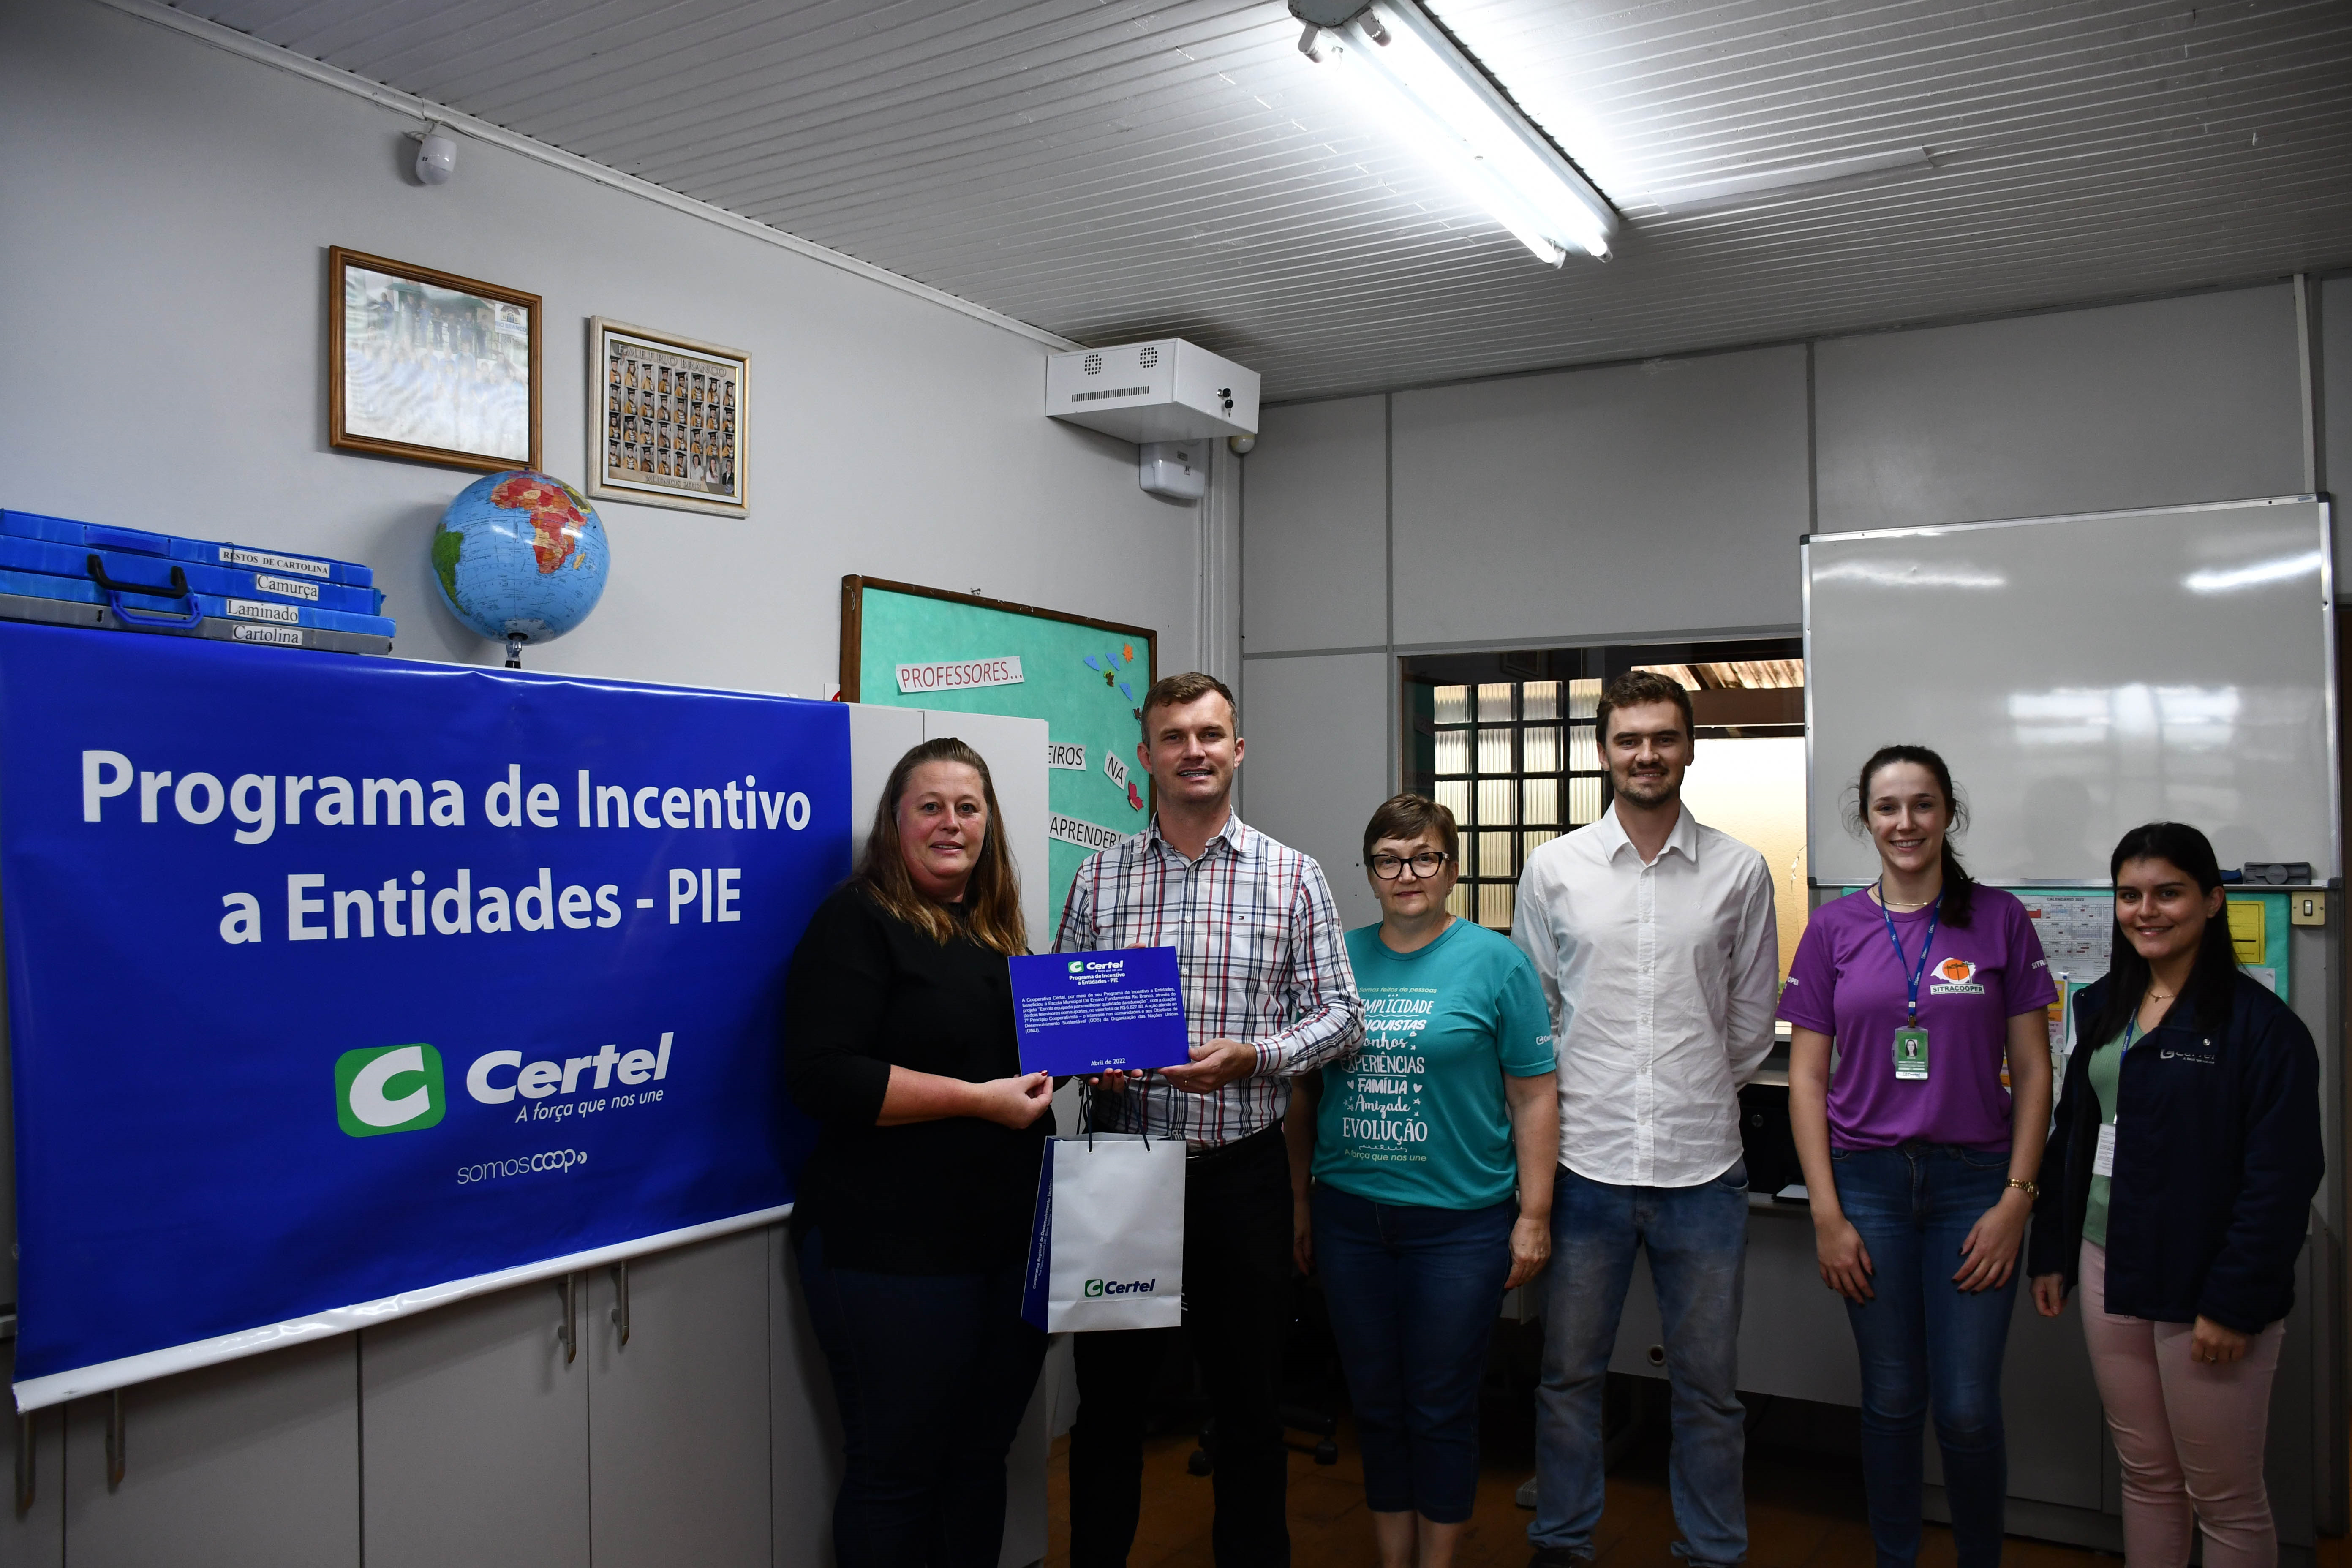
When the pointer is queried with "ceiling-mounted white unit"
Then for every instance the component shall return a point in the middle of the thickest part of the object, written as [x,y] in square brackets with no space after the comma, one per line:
[1167,390]
[1176,469]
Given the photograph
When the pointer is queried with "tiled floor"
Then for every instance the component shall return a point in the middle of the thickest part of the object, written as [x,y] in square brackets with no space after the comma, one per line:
[1801,1513]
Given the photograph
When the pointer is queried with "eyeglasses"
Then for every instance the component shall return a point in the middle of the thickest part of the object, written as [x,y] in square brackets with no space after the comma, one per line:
[1389,867]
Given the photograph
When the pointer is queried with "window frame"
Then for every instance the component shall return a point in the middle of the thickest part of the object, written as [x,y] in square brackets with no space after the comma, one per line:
[1489,898]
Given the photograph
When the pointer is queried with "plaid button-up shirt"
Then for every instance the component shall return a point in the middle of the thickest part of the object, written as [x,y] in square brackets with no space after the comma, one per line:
[1258,942]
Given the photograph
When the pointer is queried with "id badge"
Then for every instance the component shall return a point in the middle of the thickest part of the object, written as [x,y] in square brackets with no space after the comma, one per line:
[2103,1162]
[1911,1054]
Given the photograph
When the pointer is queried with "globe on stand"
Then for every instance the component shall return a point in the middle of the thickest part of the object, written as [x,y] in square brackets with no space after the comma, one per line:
[520,557]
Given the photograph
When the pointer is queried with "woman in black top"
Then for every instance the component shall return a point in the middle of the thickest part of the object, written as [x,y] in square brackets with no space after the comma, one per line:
[912,1219]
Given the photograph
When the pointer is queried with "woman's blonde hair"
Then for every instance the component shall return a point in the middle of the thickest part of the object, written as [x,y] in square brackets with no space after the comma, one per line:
[993,897]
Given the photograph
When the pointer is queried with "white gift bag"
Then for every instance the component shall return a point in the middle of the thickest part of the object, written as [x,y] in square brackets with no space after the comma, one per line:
[1107,1247]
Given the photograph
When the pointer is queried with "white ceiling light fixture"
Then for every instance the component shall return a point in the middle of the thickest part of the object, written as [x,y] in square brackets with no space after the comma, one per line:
[1420,83]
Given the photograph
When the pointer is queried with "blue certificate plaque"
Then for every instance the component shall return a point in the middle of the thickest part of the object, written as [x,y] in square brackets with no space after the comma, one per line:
[1089,1012]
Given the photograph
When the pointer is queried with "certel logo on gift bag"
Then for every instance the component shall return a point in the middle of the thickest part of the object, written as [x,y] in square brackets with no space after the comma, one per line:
[389,1089]
[1121,1286]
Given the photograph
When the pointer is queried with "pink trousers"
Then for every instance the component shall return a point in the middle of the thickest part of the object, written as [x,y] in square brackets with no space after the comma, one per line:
[2189,1434]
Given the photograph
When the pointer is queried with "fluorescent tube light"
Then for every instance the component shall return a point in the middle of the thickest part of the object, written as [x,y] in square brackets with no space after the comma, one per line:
[1412,75]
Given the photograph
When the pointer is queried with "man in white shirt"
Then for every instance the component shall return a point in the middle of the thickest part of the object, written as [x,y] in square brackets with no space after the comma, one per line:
[1655,940]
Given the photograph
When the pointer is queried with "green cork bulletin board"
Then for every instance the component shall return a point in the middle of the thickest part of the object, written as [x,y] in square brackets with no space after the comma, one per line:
[908,647]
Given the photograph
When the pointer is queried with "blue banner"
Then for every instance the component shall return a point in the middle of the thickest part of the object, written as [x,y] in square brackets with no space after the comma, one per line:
[337,983]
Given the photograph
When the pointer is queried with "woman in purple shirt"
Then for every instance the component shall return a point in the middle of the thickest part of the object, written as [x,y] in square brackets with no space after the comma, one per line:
[1919,1095]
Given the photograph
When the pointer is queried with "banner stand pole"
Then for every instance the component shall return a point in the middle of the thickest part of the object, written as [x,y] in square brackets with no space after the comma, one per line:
[621,1299]
[568,1334]
[24,1464]
[118,1455]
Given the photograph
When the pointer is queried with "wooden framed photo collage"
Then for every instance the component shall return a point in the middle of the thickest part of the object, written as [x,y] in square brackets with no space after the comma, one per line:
[664,416]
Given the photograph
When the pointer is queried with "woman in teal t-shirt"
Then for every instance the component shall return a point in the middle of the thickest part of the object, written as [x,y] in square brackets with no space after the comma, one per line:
[1416,1144]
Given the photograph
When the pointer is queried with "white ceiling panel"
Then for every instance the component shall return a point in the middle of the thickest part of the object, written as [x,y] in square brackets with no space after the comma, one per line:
[1119,170]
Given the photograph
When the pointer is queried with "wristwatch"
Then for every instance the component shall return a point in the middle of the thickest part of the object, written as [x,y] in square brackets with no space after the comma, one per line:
[2031,1189]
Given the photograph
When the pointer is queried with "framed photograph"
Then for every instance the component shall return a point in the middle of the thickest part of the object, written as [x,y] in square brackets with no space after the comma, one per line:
[429,365]
[665,417]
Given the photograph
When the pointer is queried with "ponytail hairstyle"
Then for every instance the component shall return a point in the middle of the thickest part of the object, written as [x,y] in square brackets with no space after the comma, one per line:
[993,896]
[1959,889]
[2215,974]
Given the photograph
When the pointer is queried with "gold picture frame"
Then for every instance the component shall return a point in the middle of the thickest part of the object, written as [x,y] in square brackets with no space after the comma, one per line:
[427,366]
[666,420]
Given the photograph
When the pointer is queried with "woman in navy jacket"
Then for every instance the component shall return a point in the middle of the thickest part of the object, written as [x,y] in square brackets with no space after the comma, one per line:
[2176,1187]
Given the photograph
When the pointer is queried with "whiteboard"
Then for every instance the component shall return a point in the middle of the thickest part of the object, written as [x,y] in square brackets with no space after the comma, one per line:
[2083,675]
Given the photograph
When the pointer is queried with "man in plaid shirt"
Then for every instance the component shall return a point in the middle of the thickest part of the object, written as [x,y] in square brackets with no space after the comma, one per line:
[1267,994]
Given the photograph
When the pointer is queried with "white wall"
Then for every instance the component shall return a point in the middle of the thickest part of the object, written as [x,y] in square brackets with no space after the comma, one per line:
[2155,403]
[169,206]
[1318,477]
[1317,734]
[1667,498]
[1616,500]
[2335,378]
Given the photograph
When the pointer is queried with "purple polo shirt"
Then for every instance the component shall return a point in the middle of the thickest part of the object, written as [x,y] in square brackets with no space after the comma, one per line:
[1846,983]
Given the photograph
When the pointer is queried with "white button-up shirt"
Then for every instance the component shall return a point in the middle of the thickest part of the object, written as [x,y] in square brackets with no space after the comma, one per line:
[1661,980]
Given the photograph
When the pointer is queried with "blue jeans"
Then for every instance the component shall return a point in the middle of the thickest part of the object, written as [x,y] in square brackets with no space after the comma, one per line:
[932,1374]
[1413,1293]
[1698,1241]
[1925,1342]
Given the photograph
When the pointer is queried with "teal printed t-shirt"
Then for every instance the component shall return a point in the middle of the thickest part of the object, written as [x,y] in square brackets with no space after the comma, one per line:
[1417,1116]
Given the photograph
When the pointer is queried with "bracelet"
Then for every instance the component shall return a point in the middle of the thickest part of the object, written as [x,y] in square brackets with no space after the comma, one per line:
[2031,1189]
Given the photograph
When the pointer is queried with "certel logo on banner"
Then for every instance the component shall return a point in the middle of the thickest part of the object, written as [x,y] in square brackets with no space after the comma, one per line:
[1122,1287]
[389,1089]
[1078,966]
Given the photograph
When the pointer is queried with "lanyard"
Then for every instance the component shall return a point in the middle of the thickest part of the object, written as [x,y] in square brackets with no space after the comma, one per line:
[1918,970]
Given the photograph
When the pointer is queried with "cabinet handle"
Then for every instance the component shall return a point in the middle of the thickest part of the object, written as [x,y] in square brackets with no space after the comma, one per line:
[568,1331]
[621,1298]
[25,1463]
[118,1446]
